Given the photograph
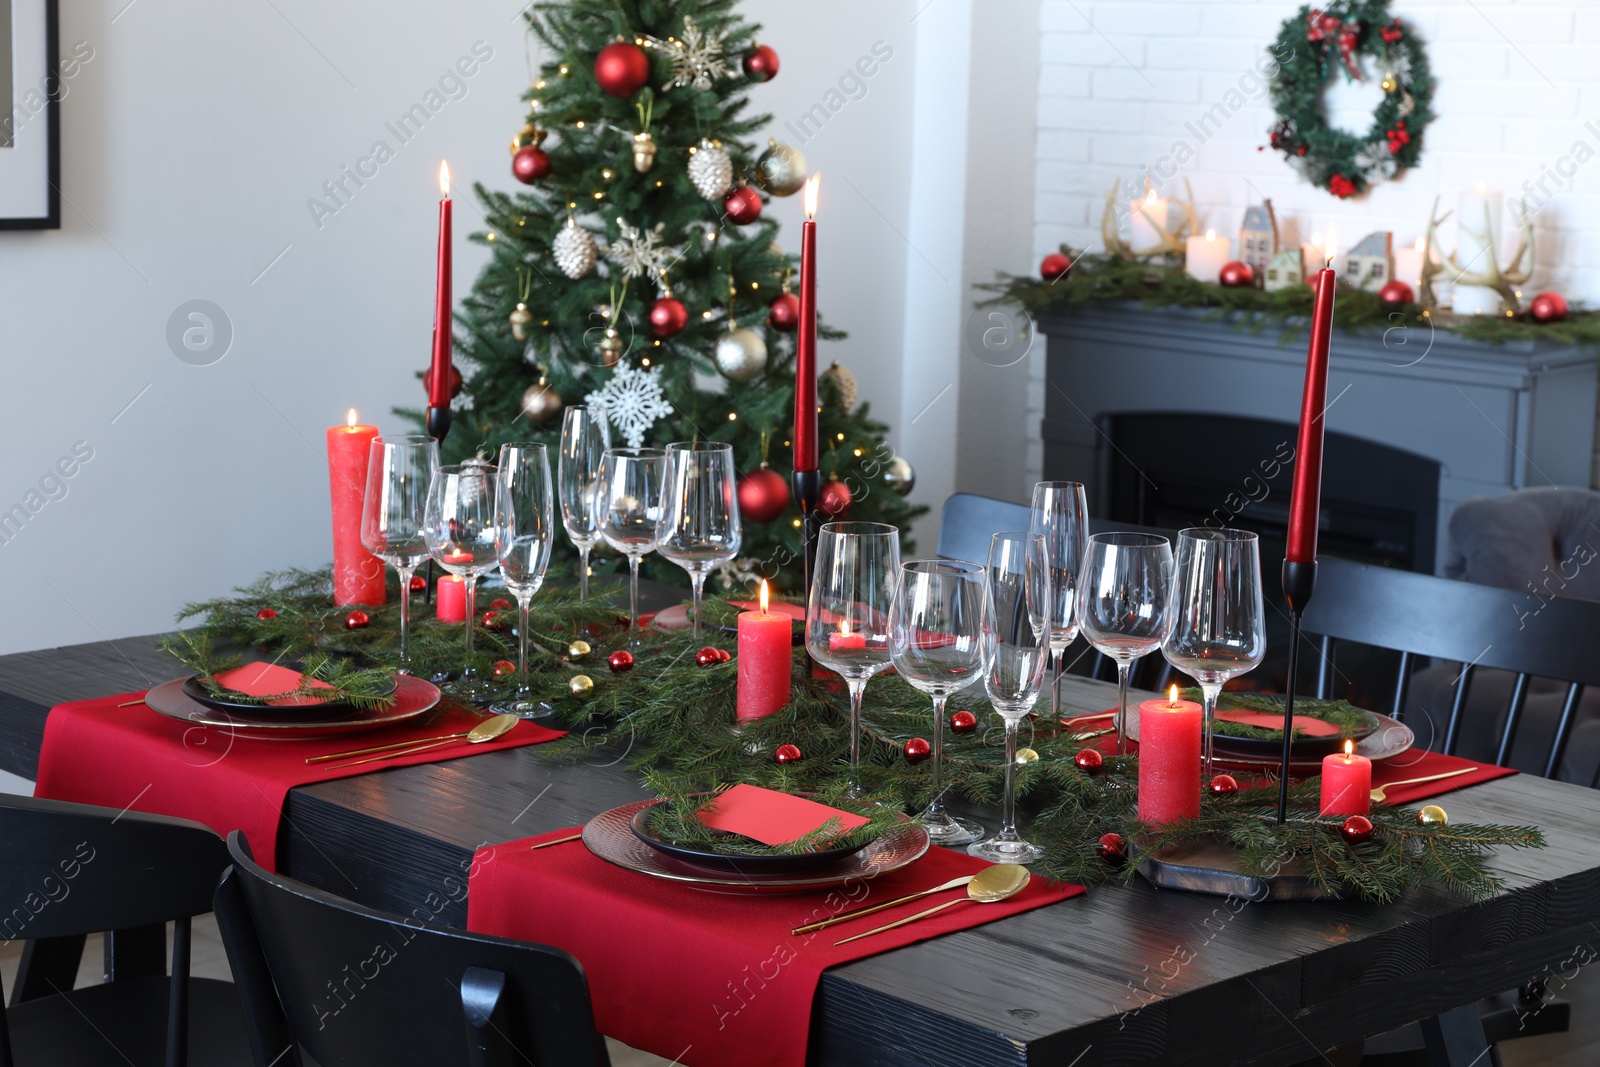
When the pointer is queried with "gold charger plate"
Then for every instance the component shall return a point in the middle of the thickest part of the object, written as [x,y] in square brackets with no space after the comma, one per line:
[610,836]
[413,697]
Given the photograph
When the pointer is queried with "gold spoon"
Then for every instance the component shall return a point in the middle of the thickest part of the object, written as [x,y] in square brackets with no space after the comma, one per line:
[990,885]
[846,916]
[1378,796]
[487,730]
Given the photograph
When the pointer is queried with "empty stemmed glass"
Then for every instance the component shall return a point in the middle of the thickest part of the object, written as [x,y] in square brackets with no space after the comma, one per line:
[1016,640]
[1061,514]
[524,534]
[1124,604]
[847,615]
[1219,626]
[584,440]
[460,532]
[630,512]
[398,472]
[700,521]
[936,643]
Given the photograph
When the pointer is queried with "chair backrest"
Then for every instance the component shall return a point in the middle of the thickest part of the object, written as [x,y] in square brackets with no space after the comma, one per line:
[1475,625]
[968,521]
[354,986]
[1530,540]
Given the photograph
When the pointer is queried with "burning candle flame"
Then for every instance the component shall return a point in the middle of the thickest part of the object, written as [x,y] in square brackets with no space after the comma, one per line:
[1150,198]
[1172,695]
[444,178]
[813,183]
[1418,245]
[763,596]
[1211,235]
[1331,248]
[1349,748]
[350,417]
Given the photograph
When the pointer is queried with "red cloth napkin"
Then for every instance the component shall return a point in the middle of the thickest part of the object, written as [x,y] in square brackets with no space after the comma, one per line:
[97,753]
[704,979]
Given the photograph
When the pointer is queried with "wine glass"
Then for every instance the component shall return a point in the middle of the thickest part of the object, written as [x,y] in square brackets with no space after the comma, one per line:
[459,529]
[392,511]
[1124,604]
[1016,640]
[936,643]
[1219,626]
[847,615]
[631,512]
[523,538]
[585,436]
[700,524]
[1059,512]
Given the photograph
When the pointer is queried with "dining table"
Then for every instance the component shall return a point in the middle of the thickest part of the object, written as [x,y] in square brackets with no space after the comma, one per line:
[1123,974]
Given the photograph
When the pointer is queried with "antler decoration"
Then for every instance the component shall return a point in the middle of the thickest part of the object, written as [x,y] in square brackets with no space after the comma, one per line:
[1430,267]
[1171,241]
[1502,280]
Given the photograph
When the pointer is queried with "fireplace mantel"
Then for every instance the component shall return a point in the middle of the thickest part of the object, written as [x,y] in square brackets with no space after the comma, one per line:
[1497,417]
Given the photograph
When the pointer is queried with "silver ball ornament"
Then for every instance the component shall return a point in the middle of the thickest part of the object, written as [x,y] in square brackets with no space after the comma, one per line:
[541,402]
[781,169]
[900,476]
[741,354]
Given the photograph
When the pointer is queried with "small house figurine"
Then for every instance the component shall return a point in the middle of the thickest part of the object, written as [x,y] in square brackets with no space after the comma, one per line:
[1258,237]
[1371,262]
[1284,269]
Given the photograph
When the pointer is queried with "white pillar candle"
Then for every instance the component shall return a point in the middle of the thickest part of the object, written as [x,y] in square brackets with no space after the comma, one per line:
[1144,215]
[1477,244]
[1408,264]
[1204,256]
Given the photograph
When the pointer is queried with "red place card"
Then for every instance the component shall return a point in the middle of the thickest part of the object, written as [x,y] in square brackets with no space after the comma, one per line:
[264,679]
[1307,726]
[772,818]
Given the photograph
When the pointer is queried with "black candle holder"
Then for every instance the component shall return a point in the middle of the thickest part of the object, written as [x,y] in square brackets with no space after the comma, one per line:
[1299,582]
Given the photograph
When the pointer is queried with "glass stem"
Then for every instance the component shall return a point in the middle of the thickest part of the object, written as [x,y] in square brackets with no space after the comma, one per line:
[523,603]
[857,687]
[472,612]
[936,787]
[1008,819]
[697,581]
[633,598]
[1124,670]
[405,616]
[1209,693]
[1055,687]
[583,572]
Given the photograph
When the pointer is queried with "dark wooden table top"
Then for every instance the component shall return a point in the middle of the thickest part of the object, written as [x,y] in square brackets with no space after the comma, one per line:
[1120,975]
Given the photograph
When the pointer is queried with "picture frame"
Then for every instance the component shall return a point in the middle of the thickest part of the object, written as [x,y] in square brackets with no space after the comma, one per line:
[30,115]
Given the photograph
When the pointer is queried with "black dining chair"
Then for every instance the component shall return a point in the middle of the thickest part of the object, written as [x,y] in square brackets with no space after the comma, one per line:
[69,870]
[353,987]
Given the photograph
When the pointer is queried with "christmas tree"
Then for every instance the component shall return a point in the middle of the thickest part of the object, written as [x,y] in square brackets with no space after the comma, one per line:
[637,273]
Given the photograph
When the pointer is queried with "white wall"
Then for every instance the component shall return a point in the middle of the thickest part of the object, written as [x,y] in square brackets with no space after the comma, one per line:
[192,141]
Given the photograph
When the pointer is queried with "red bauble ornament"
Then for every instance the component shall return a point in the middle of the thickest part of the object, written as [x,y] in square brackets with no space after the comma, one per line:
[707,656]
[1235,274]
[917,749]
[455,381]
[491,621]
[1223,784]
[530,164]
[419,584]
[1548,307]
[668,316]
[1054,266]
[723,655]
[761,63]
[1089,760]
[743,205]
[964,722]
[504,667]
[266,613]
[622,68]
[763,495]
[784,313]
[835,499]
[356,620]
[1112,848]
[1396,292]
[500,603]
[620,661]
[1356,829]
[787,754]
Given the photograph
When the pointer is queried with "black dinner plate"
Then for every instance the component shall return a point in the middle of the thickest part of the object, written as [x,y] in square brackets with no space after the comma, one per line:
[722,861]
[325,711]
[1301,749]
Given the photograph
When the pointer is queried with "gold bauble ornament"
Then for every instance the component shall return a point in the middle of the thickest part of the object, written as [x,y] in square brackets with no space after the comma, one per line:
[644,152]
[611,347]
[781,169]
[1027,755]
[741,354]
[520,318]
[580,684]
[529,136]
[578,649]
[1433,815]
[844,383]
[900,476]
[541,402]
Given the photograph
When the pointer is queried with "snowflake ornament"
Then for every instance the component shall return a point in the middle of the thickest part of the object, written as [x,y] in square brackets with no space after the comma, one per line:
[631,401]
[697,58]
[641,252]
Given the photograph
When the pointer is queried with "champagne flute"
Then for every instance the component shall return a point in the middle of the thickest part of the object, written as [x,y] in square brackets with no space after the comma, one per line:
[630,512]
[585,436]
[392,511]
[523,538]
[1016,641]
[1060,513]
[936,643]
[459,529]
[1124,604]
[847,615]
[700,525]
[1219,626]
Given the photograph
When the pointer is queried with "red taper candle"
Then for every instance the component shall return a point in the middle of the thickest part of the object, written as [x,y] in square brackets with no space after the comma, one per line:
[1306,497]
[439,372]
[805,359]
[357,573]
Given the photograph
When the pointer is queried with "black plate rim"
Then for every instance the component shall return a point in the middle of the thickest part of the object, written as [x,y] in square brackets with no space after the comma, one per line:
[196,691]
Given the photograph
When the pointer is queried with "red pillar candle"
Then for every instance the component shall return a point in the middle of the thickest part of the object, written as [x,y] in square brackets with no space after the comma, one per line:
[1306,495]
[357,573]
[765,660]
[439,372]
[805,357]
[451,598]
[1169,759]
[1346,783]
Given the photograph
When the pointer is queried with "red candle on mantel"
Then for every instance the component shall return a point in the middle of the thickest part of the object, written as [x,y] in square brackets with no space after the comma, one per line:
[805,350]
[357,573]
[451,598]
[1306,496]
[1346,783]
[765,661]
[1169,759]
[439,370]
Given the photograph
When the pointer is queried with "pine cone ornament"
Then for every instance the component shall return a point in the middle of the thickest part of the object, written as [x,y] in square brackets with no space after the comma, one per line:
[711,171]
[844,383]
[574,250]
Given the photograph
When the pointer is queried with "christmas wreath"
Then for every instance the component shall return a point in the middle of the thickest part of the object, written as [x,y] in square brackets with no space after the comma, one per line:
[1341,162]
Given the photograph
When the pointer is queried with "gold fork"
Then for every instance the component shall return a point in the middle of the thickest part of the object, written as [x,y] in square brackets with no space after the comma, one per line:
[1378,794]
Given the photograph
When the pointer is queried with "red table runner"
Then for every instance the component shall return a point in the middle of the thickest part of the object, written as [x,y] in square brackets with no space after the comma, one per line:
[130,757]
[704,979]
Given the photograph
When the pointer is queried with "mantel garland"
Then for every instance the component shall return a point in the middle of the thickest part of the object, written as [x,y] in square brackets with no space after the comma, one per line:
[671,719]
